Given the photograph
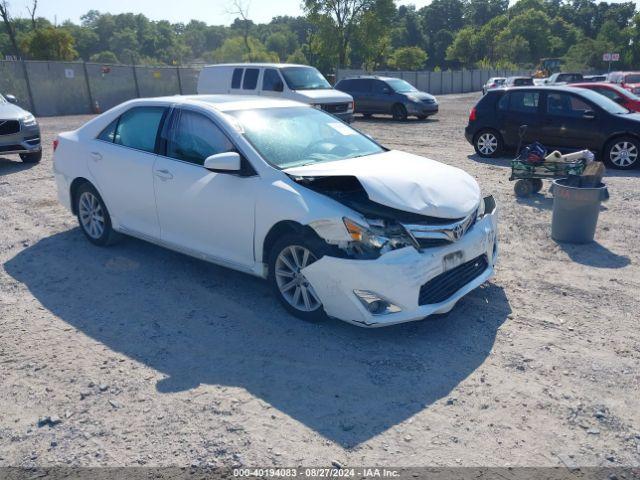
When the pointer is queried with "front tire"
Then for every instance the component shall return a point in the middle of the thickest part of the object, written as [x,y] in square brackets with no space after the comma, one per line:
[422,117]
[289,255]
[93,216]
[622,153]
[399,112]
[488,143]
[33,157]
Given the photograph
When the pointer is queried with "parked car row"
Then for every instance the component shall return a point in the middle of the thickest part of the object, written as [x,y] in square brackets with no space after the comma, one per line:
[388,95]
[565,118]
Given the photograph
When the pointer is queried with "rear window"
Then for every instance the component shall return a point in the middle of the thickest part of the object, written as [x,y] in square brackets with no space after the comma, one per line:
[523,102]
[250,79]
[522,82]
[237,77]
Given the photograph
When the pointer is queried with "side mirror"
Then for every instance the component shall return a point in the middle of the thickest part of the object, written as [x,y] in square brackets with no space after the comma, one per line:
[11,98]
[589,114]
[223,162]
[278,87]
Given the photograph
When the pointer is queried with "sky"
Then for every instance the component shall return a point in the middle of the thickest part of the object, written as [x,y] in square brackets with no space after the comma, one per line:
[213,12]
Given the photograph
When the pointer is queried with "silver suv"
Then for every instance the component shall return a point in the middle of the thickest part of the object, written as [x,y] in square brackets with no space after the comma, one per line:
[19,131]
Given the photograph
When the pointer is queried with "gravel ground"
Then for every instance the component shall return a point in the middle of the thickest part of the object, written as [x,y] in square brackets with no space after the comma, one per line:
[135,355]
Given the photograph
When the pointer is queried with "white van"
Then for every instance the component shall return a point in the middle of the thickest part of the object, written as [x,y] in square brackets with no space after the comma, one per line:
[281,80]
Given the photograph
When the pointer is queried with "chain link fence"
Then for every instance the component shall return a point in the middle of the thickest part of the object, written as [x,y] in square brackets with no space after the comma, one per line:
[69,88]
[443,82]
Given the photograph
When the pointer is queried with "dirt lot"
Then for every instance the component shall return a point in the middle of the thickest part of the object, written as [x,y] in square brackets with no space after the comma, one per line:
[141,356]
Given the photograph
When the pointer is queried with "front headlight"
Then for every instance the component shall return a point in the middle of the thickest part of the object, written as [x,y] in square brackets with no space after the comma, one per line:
[29,120]
[379,237]
[413,99]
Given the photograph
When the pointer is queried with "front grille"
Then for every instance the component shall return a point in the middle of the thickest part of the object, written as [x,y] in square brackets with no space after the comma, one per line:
[429,101]
[10,148]
[335,107]
[9,127]
[432,242]
[445,285]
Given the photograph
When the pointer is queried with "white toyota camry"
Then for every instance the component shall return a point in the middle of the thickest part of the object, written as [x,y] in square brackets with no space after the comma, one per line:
[338,224]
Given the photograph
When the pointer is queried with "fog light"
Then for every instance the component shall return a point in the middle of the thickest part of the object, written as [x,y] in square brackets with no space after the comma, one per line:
[375,304]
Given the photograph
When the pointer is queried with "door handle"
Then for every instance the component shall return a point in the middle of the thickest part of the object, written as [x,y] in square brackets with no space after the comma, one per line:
[96,156]
[164,174]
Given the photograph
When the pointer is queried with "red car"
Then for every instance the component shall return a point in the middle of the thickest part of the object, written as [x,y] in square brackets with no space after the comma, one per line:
[628,80]
[620,95]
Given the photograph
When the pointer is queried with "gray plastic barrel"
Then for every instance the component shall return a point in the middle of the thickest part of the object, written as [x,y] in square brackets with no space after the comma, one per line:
[575,211]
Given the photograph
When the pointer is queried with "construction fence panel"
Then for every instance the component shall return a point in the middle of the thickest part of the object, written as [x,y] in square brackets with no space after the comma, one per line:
[456,81]
[12,82]
[189,80]
[110,85]
[157,81]
[58,88]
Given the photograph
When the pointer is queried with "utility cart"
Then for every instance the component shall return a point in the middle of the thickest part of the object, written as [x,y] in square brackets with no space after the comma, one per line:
[532,165]
[529,176]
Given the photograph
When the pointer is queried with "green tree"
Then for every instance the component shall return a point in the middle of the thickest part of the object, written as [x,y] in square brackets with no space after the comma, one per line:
[49,44]
[342,16]
[235,50]
[409,58]
[298,57]
[104,57]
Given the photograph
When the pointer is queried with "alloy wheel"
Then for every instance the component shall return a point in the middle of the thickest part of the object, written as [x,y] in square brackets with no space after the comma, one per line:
[623,154]
[293,285]
[487,143]
[91,215]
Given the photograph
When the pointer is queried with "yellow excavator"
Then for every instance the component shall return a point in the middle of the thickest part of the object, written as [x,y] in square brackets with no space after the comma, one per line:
[548,66]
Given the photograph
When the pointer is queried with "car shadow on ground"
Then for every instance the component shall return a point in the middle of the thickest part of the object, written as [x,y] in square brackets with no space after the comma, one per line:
[594,255]
[198,323]
[389,119]
[13,165]
[496,162]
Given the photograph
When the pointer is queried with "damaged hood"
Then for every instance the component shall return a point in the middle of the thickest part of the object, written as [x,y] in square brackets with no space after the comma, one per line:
[405,182]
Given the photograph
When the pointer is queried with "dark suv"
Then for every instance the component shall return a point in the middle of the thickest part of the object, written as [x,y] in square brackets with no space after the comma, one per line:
[388,95]
[562,118]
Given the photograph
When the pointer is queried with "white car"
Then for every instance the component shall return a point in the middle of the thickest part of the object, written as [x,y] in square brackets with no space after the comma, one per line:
[277,80]
[339,225]
[493,82]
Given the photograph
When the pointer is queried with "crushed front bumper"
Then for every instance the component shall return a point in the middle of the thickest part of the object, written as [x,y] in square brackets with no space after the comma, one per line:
[397,277]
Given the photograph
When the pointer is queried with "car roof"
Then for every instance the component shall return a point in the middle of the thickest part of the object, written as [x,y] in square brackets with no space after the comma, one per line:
[552,88]
[222,103]
[369,77]
[270,65]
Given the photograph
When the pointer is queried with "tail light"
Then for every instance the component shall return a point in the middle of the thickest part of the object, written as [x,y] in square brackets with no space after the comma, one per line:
[472,115]
[352,106]
[55,144]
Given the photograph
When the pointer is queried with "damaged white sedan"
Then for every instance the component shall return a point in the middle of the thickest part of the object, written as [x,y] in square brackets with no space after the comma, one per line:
[338,224]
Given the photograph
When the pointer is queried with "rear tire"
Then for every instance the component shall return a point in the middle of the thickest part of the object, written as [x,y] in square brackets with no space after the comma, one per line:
[366,115]
[399,112]
[488,143]
[93,216]
[422,117]
[523,188]
[288,256]
[622,153]
[537,184]
[33,157]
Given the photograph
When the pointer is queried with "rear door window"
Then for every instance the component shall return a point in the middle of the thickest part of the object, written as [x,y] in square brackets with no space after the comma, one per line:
[380,87]
[250,81]
[524,102]
[361,85]
[138,128]
[236,78]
